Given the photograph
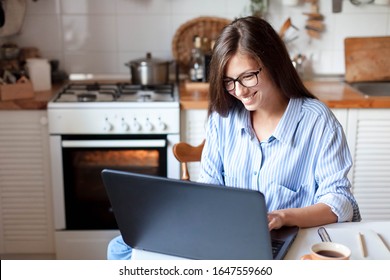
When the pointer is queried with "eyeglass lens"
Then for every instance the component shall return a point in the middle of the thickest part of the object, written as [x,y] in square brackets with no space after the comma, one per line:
[248,79]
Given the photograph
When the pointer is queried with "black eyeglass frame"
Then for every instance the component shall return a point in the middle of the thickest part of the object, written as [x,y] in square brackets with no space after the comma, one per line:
[239,78]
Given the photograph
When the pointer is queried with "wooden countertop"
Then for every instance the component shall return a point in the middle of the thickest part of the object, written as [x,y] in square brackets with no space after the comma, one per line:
[38,102]
[335,94]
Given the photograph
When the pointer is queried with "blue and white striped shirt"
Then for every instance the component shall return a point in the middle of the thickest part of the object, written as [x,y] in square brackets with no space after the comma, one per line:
[304,162]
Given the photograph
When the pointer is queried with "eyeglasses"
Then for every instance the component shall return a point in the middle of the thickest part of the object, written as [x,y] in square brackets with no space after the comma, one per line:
[247,79]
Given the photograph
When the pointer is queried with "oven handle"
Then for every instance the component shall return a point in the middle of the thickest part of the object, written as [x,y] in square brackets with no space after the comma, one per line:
[146,143]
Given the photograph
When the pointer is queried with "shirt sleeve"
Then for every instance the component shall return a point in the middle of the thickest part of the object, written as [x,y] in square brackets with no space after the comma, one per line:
[331,174]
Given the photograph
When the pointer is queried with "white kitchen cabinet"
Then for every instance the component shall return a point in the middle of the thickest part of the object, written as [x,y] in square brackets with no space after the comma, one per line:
[193,132]
[369,139]
[26,222]
[342,117]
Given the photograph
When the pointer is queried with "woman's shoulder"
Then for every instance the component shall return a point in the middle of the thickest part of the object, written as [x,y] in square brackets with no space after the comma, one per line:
[315,108]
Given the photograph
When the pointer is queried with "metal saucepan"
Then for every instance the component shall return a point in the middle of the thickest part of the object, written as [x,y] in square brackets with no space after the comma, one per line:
[149,71]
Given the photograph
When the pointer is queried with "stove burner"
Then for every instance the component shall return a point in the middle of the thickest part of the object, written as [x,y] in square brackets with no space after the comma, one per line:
[94,87]
[86,97]
[115,92]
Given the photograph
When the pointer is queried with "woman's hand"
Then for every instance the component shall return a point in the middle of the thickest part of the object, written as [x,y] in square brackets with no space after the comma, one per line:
[276,219]
[310,216]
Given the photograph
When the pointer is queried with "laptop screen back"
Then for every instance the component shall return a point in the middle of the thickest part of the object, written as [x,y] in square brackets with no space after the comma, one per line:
[188,219]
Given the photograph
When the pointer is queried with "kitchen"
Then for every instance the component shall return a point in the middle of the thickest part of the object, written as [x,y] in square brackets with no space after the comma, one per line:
[98,37]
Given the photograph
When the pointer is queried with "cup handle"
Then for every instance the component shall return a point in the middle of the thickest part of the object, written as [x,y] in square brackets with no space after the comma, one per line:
[306,257]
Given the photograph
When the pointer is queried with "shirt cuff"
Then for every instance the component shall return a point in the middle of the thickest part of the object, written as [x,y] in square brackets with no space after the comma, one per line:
[340,206]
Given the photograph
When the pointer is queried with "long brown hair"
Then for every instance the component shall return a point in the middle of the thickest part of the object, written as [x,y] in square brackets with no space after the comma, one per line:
[256,38]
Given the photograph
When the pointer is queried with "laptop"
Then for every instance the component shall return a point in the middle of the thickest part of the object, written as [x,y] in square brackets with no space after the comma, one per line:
[193,220]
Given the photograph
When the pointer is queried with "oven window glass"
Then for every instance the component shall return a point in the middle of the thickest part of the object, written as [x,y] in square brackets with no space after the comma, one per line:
[86,202]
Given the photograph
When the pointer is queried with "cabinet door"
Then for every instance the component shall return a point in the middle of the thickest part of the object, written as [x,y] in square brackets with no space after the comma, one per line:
[342,117]
[193,132]
[25,210]
[369,140]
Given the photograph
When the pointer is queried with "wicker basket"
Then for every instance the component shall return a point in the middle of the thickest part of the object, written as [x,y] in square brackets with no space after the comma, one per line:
[182,42]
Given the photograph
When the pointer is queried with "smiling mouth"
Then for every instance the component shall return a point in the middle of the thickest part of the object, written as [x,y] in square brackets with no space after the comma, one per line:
[248,98]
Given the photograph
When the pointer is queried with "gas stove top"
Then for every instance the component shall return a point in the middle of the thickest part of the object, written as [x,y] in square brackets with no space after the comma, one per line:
[90,107]
[115,92]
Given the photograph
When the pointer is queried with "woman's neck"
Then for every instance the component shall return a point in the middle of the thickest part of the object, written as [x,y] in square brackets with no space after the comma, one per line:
[265,120]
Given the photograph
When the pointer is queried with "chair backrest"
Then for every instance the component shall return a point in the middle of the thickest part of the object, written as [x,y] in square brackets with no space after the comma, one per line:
[185,153]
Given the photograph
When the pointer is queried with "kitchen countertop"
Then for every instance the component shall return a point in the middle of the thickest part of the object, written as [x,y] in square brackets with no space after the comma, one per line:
[38,102]
[334,93]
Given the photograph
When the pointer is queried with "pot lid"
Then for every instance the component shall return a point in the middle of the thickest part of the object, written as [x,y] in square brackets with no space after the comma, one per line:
[148,60]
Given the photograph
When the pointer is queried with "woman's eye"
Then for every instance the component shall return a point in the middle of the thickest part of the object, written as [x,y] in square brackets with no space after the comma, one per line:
[247,77]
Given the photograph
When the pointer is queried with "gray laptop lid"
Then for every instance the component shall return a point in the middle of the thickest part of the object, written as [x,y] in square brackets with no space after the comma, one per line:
[191,220]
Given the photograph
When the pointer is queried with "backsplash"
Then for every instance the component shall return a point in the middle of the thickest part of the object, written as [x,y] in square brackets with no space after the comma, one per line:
[98,36]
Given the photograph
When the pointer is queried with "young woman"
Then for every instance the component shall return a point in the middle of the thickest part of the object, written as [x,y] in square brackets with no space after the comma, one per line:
[267,132]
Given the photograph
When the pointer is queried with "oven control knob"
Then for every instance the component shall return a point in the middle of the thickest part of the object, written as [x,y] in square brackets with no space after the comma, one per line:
[162,125]
[135,126]
[125,126]
[148,125]
[108,126]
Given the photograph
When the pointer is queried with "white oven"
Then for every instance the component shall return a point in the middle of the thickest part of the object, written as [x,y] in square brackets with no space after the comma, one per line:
[94,126]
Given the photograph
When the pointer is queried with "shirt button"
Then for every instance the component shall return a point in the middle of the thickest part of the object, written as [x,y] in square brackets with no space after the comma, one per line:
[255,173]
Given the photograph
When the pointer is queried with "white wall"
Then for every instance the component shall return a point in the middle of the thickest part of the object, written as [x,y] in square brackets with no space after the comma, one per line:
[98,36]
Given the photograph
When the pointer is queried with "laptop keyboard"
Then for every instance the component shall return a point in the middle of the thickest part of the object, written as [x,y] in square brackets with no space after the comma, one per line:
[276,246]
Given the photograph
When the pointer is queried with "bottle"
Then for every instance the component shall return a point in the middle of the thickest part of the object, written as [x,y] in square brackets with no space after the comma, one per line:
[197,61]
[207,60]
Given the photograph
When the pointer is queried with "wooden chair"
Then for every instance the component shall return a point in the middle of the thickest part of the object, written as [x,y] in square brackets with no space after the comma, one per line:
[185,153]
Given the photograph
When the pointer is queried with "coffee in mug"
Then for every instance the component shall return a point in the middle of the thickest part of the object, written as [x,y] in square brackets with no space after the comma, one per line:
[328,251]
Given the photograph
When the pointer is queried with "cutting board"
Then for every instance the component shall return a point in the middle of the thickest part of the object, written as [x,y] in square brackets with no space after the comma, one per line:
[367,59]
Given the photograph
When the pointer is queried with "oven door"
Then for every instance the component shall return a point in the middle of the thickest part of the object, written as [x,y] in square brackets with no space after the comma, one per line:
[82,200]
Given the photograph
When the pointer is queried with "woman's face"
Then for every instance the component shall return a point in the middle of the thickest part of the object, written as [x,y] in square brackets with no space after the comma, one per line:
[258,87]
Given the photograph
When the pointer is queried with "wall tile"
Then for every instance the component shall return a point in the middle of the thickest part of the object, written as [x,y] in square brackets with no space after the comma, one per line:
[89,33]
[161,7]
[357,25]
[100,35]
[43,7]
[144,33]
[91,62]
[199,7]
[41,31]
[89,7]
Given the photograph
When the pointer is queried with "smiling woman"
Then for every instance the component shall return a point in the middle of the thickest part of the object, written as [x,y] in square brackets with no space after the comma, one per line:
[272,135]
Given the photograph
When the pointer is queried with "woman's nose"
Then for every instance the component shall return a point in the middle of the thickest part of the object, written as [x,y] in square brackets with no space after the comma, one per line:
[239,89]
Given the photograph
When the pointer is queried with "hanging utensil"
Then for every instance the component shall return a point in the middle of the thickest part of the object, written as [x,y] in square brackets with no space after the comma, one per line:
[288,31]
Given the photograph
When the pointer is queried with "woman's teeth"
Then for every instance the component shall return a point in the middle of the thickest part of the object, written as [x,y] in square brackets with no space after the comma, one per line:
[248,98]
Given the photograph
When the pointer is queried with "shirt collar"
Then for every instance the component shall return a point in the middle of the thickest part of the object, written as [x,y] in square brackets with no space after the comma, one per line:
[287,125]
[285,129]
[245,123]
